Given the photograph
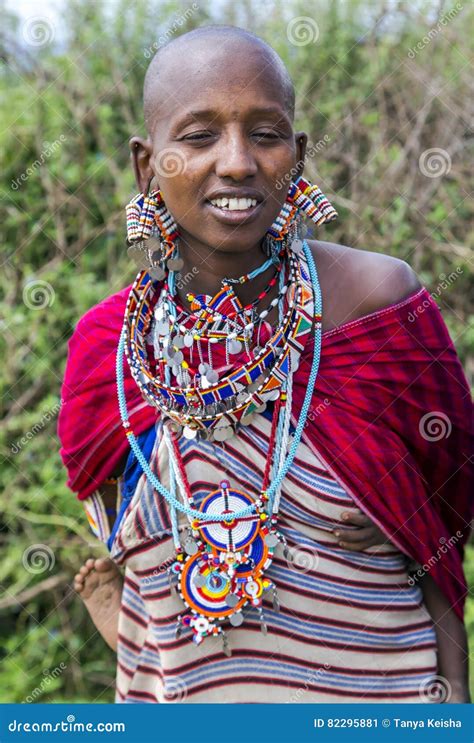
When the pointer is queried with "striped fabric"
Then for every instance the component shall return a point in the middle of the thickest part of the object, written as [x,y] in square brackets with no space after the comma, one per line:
[350,628]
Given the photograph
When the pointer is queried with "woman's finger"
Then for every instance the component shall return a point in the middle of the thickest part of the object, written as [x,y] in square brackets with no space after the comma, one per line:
[357,546]
[356,535]
[355,518]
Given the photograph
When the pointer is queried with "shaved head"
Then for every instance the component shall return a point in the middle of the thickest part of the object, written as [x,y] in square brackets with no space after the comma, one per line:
[204,48]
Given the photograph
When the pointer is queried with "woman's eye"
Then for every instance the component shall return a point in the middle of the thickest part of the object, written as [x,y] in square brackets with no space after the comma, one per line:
[265,135]
[197,136]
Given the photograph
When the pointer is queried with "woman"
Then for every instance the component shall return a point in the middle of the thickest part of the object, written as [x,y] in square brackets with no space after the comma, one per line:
[255,458]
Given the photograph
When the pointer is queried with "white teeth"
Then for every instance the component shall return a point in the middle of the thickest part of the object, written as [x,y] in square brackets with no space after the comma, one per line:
[234,204]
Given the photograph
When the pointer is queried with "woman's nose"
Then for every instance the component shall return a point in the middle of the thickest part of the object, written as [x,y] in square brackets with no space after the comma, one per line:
[234,157]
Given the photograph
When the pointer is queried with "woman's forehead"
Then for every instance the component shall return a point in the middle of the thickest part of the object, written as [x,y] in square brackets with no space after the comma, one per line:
[234,75]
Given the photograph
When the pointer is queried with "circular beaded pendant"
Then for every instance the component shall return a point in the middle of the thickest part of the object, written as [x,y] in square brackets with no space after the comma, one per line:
[224,570]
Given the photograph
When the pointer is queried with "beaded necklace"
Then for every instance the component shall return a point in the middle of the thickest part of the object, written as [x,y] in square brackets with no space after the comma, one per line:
[220,567]
[213,406]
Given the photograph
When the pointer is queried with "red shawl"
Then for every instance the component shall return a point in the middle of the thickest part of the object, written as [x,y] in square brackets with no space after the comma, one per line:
[391,419]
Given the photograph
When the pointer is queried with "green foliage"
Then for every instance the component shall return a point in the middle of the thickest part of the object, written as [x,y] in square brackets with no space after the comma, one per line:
[68,110]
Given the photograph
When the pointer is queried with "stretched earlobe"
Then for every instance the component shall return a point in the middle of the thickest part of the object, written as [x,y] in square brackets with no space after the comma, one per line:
[301,141]
[141,151]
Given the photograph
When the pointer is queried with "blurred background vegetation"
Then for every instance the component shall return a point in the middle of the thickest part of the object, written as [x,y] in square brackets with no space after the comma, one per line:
[380,85]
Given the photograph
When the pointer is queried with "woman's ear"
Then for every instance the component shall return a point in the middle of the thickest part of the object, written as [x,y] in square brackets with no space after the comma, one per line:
[141,152]
[301,141]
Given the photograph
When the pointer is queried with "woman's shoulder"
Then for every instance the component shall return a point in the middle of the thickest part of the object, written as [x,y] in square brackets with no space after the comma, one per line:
[355,283]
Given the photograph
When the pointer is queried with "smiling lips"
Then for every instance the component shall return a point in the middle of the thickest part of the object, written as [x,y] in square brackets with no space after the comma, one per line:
[234,204]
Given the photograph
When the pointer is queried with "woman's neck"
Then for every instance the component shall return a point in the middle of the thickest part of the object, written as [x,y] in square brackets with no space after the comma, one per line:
[203,274]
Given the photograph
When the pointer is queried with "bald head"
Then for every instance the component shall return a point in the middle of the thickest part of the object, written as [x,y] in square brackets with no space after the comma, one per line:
[222,48]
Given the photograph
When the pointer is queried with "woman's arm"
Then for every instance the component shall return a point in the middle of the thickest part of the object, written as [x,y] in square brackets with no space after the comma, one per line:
[452,641]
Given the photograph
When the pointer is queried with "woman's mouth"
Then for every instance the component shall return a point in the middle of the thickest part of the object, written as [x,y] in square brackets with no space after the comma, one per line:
[234,210]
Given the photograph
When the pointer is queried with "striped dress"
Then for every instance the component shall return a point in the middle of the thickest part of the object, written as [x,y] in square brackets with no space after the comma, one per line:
[351,627]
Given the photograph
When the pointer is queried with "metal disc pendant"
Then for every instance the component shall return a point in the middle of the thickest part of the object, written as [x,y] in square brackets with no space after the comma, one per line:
[212,376]
[271,540]
[297,246]
[178,341]
[190,547]
[272,395]
[175,264]
[232,600]
[189,433]
[199,580]
[139,255]
[223,433]
[202,368]
[235,347]
[188,340]
[157,273]
[236,619]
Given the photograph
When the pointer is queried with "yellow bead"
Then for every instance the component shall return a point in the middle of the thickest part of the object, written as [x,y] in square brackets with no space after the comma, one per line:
[185,365]
[263,516]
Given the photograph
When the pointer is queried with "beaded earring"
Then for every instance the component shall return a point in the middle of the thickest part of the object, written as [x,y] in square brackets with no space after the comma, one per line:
[303,198]
[152,234]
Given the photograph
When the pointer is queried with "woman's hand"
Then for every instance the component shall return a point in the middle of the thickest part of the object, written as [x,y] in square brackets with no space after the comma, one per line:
[366,535]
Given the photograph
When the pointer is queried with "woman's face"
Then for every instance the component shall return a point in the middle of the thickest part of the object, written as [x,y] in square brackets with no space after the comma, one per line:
[223,133]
